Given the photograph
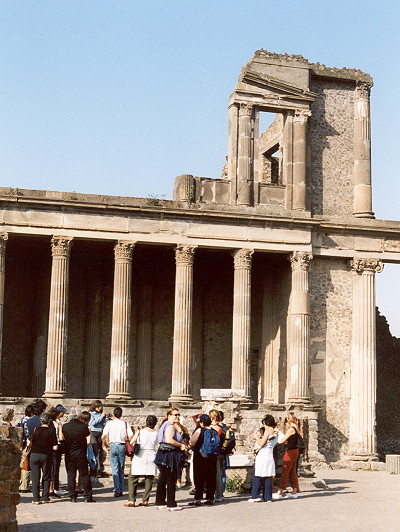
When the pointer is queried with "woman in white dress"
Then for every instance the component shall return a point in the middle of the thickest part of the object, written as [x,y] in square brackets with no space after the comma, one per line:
[264,469]
[143,463]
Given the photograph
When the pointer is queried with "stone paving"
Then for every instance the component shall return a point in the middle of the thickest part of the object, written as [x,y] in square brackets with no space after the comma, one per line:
[355,501]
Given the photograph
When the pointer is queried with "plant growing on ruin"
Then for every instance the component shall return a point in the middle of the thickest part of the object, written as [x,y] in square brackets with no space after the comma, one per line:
[234,484]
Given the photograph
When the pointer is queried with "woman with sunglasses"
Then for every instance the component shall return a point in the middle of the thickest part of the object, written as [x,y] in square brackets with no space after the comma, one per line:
[168,460]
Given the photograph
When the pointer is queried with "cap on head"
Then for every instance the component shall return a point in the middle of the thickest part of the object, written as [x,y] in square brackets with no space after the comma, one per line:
[62,408]
[205,419]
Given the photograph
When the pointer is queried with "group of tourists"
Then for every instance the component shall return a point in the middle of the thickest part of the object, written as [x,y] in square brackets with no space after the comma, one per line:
[166,452]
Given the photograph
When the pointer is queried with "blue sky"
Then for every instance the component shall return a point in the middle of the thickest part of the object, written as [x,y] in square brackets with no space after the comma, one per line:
[119,97]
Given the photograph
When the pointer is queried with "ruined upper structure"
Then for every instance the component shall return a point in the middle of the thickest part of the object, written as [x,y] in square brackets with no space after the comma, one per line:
[315,157]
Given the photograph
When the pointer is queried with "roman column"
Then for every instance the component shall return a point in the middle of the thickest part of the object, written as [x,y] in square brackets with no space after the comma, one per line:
[233,116]
[299,201]
[58,318]
[299,323]
[182,350]
[362,441]
[121,322]
[244,174]
[241,321]
[144,343]
[362,203]
[3,240]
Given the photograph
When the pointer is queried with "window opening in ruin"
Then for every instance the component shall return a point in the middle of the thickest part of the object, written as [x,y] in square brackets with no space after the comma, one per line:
[270,148]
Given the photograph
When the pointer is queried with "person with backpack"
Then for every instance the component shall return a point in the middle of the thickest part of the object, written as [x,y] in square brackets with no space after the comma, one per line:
[293,441]
[217,425]
[205,444]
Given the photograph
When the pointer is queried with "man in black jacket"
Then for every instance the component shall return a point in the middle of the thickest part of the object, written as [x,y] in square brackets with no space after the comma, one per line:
[76,436]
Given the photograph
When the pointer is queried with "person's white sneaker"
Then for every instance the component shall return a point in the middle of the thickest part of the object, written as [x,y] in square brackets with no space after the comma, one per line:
[162,507]
[292,495]
[276,496]
[254,500]
[174,508]
[219,499]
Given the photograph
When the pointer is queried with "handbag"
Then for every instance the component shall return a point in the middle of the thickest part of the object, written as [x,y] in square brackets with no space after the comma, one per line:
[25,458]
[129,448]
[167,447]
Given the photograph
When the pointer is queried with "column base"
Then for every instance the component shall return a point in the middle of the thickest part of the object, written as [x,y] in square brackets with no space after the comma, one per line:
[118,397]
[363,457]
[180,398]
[54,394]
[299,401]
[364,214]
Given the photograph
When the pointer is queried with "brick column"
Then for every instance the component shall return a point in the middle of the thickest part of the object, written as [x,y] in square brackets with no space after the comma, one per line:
[299,323]
[3,240]
[362,203]
[182,350]
[241,320]
[121,322]
[362,441]
[91,381]
[10,453]
[58,318]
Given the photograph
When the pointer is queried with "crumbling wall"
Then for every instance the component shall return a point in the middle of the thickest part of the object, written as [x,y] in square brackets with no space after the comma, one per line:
[388,388]
[10,457]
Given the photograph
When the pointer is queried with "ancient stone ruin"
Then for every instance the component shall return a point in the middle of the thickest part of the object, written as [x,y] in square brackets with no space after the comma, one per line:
[254,291]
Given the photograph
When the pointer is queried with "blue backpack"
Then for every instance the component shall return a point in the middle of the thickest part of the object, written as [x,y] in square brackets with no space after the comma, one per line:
[211,443]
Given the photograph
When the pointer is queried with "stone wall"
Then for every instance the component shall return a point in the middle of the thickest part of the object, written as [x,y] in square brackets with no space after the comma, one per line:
[388,389]
[331,298]
[331,143]
[10,457]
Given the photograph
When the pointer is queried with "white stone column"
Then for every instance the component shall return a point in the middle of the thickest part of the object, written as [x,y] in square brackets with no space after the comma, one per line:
[58,318]
[241,320]
[362,203]
[244,174]
[121,322]
[299,201]
[144,343]
[299,323]
[3,240]
[182,350]
[362,441]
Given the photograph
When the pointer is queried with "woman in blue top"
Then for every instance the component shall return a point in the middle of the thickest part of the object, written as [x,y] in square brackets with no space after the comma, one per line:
[98,419]
[168,460]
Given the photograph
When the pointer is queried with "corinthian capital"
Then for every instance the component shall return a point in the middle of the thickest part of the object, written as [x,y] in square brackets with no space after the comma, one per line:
[366,265]
[363,90]
[3,240]
[245,109]
[61,246]
[242,258]
[184,254]
[301,115]
[300,260]
[123,250]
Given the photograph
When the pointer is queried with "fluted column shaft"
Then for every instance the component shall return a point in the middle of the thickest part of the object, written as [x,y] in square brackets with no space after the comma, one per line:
[241,320]
[362,204]
[144,343]
[3,240]
[244,178]
[121,322]
[58,318]
[233,116]
[362,442]
[300,160]
[299,325]
[182,350]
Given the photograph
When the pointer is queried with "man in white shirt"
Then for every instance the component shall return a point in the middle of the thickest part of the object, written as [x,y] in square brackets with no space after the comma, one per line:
[115,434]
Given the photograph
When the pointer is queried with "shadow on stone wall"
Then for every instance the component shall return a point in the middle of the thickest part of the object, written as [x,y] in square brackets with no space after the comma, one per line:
[388,389]
[330,439]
